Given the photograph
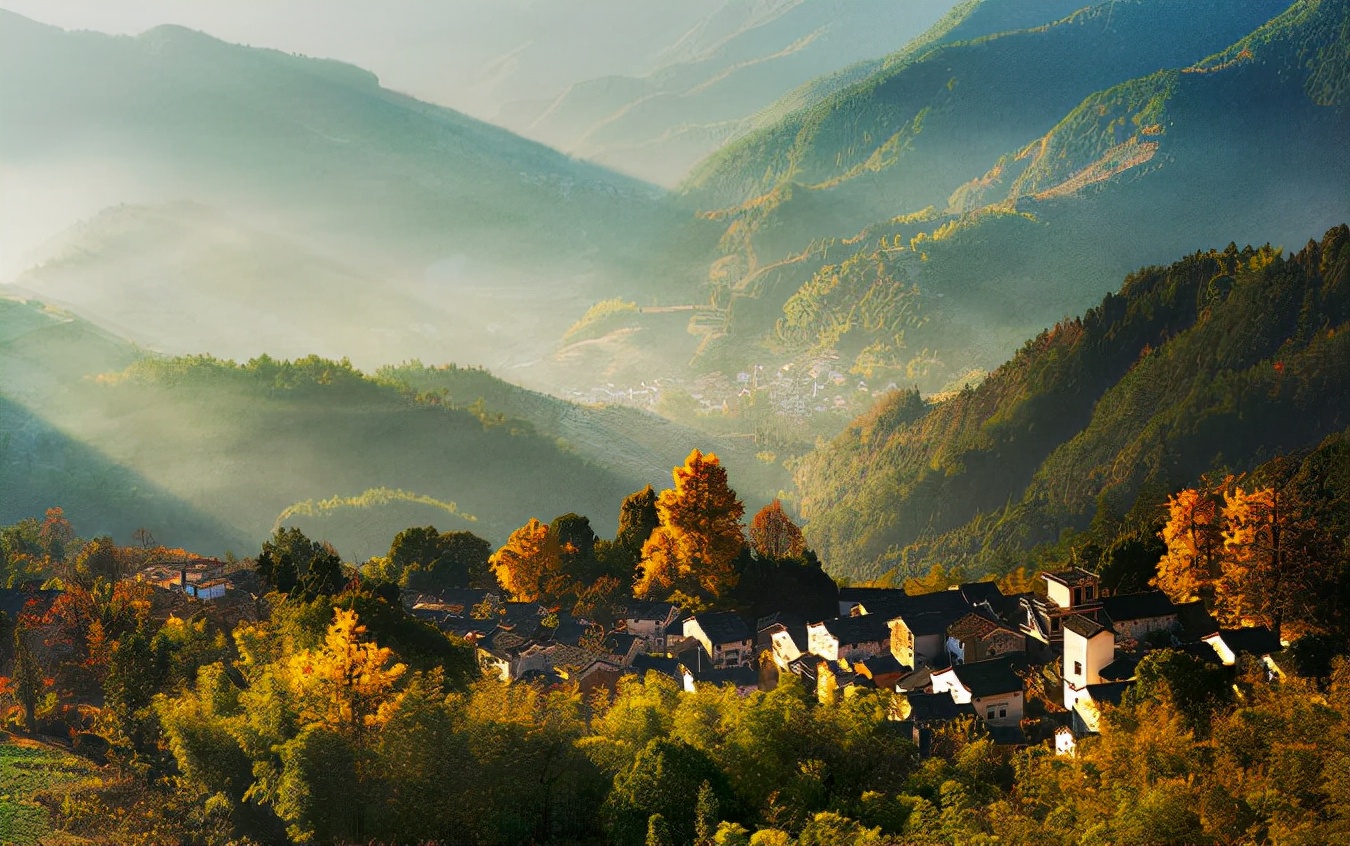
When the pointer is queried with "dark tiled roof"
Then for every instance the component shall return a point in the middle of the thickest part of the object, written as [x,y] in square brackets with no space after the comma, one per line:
[936,708]
[1195,621]
[723,627]
[465,626]
[1109,692]
[916,680]
[988,678]
[643,664]
[864,629]
[1072,578]
[619,643]
[569,630]
[861,594]
[1137,606]
[1256,640]
[1121,669]
[973,625]
[524,617]
[927,622]
[949,602]
[646,609]
[976,592]
[805,665]
[1202,651]
[883,664]
[786,619]
[1083,625]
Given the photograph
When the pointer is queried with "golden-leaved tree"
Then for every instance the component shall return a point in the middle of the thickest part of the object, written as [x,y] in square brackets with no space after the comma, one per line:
[692,553]
[345,684]
[528,562]
[1266,565]
[1194,538]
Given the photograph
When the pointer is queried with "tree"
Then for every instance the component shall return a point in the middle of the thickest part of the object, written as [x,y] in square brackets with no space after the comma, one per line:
[27,677]
[1194,538]
[694,549]
[664,779]
[658,832]
[343,685]
[706,810]
[100,558]
[56,533]
[1266,561]
[773,535]
[423,559]
[528,564]
[129,688]
[292,564]
[637,518]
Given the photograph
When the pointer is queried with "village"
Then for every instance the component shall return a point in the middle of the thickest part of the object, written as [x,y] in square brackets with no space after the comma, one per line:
[1027,668]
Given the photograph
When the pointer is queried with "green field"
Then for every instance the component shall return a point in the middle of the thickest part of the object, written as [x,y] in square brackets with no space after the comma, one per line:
[27,767]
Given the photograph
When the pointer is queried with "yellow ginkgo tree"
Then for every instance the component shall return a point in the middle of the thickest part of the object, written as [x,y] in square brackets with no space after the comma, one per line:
[346,684]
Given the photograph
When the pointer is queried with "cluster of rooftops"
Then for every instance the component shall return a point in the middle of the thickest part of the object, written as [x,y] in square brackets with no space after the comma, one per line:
[962,652]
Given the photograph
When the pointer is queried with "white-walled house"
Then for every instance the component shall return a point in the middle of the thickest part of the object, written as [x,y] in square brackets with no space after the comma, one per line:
[995,691]
[1256,641]
[1088,647]
[849,638]
[651,621]
[724,636]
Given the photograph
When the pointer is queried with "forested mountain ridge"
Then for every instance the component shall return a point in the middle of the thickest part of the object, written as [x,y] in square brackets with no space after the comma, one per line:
[1162,162]
[911,130]
[1216,363]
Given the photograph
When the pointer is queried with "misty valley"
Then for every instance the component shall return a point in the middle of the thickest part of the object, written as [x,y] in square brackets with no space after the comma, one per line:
[716,422]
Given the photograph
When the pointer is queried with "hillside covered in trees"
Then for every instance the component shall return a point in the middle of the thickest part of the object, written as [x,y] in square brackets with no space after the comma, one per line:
[1220,363]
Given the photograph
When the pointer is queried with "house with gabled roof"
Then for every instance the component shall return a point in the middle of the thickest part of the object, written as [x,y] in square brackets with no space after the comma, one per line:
[996,691]
[1134,616]
[1089,646]
[1066,592]
[919,638]
[883,670]
[724,636]
[1257,641]
[849,638]
[979,635]
[652,621]
[666,666]
[1087,709]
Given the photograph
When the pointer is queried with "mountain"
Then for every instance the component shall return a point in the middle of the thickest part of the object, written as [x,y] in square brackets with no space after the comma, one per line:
[452,223]
[921,221]
[123,439]
[1216,363]
[712,80]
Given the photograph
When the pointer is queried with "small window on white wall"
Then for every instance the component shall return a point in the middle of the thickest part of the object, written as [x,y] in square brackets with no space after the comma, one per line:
[1078,668]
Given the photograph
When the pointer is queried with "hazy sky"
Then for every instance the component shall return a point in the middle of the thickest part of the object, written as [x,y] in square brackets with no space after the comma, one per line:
[471,55]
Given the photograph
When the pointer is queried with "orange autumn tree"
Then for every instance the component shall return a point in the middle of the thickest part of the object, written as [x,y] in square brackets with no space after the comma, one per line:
[528,564]
[774,536]
[1266,560]
[1194,538]
[691,554]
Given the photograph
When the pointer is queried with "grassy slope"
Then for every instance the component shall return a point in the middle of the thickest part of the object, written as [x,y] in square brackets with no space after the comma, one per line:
[27,767]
